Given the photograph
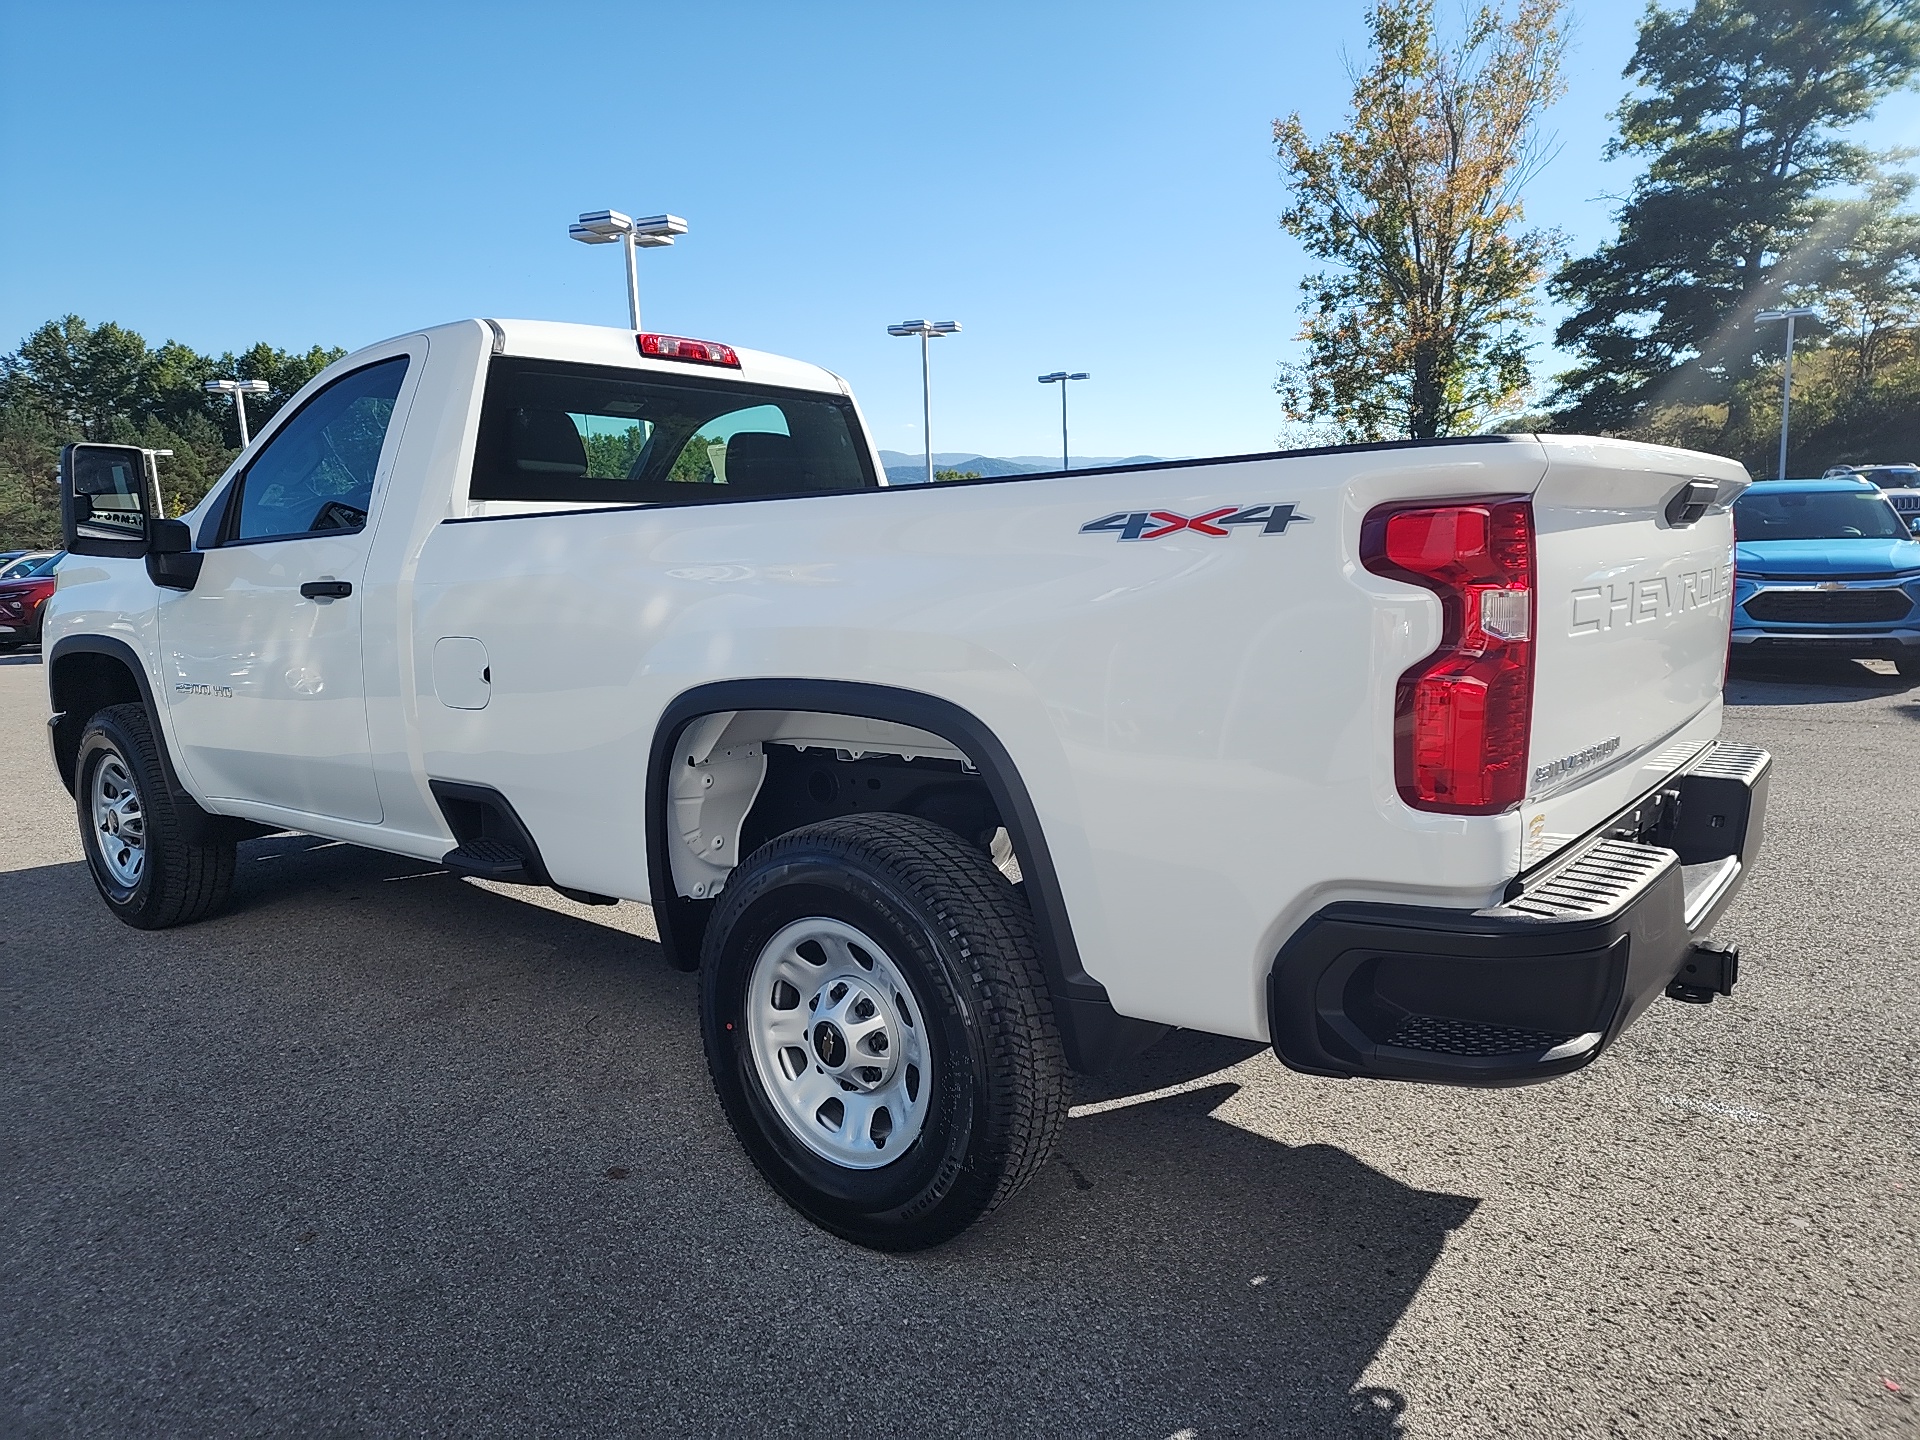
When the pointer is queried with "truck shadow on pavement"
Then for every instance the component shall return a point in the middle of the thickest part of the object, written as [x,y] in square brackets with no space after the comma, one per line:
[1809,680]
[382,1150]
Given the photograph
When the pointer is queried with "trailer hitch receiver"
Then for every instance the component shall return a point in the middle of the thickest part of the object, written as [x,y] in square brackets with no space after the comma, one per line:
[1708,970]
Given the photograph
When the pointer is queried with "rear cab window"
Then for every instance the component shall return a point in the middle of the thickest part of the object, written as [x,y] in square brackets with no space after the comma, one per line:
[559,434]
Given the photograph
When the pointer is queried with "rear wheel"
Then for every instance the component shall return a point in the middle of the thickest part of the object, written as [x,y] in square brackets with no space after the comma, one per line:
[878,1028]
[145,866]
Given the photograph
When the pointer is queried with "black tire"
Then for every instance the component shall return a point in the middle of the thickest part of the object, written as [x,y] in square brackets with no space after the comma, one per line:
[180,880]
[962,937]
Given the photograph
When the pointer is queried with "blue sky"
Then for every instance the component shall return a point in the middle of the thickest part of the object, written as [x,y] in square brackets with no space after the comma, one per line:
[1082,186]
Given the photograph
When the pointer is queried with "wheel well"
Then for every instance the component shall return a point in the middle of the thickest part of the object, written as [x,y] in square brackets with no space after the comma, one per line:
[737,761]
[742,777]
[80,686]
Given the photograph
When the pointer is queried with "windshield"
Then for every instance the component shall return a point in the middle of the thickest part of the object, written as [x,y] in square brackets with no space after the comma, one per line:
[550,431]
[1816,515]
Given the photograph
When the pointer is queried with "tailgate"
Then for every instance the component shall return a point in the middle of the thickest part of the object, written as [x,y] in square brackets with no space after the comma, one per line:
[1633,611]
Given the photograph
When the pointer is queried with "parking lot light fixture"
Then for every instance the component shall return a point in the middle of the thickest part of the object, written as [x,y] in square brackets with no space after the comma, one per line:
[239,390]
[1060,378]
[927,330]
[609,227]
[1767,317]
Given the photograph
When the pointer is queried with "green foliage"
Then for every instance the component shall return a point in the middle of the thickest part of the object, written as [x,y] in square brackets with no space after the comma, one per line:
[1837,419]
[939,475]
[283,370]
[1419,326]
[29,492]
[609,457]
[73,381]
[612,456]
[694,464]
[1741,113]
[81,378]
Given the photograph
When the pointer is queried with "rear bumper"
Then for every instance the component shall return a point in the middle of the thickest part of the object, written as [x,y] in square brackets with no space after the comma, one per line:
[1535,987]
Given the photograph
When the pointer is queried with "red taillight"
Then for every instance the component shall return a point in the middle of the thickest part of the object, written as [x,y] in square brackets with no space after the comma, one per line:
[1463,715]
[677,347]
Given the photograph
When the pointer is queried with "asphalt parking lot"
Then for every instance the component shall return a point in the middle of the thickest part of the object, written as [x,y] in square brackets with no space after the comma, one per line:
[380,1151]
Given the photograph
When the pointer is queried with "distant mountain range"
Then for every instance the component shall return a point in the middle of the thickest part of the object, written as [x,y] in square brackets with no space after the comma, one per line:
[904,469]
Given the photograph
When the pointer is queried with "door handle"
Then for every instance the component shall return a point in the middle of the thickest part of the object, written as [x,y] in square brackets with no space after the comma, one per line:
[326,590]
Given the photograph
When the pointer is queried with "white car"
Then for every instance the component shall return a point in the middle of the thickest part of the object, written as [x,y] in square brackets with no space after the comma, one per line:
[18,564]
[1404,758]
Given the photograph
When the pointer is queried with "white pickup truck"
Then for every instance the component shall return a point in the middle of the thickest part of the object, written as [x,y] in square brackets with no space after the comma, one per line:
[1403,757]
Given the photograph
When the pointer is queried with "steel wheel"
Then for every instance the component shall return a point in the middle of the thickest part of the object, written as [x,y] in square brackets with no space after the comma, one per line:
[119,820]
[839,1042]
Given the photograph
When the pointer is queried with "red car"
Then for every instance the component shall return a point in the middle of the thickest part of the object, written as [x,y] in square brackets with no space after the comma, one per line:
[21,601]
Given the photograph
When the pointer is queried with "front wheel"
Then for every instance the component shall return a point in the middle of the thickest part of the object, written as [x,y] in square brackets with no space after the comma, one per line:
[878,1028]
[149,868]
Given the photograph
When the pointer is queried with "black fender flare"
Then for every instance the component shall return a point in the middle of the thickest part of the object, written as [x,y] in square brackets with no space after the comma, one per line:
[1095,1035]
[62,721]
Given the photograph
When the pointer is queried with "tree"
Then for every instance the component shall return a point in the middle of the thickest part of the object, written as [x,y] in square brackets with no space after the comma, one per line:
[283,370]
[79,377]
[29,489]
[944,475]
[694,463]
[1867,284]
[1741,113]
[1420,327]
[73,381]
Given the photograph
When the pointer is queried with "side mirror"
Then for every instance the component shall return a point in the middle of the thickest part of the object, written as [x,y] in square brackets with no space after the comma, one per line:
[171,559]
[106,499]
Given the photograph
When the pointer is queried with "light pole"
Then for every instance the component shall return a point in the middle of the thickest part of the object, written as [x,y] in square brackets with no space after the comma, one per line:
[605,227]
[1060,378]
[926,330]
[1799,312]
[239,389]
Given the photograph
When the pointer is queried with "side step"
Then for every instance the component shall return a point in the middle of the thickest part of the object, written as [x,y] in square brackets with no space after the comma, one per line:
[494,844]
[486,858]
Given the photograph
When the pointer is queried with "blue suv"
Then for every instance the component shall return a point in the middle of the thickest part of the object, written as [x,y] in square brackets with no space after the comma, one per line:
[1825,566]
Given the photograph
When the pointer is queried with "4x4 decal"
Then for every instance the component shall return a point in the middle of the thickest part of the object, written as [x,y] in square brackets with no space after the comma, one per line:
[1157,524]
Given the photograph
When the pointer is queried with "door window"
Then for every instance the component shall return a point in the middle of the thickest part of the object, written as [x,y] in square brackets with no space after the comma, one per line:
[315,475]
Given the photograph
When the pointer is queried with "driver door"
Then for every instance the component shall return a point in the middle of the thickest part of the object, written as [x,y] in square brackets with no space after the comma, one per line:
[266,689]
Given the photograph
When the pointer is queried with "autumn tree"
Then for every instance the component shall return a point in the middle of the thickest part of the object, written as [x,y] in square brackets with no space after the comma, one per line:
[1418,327]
